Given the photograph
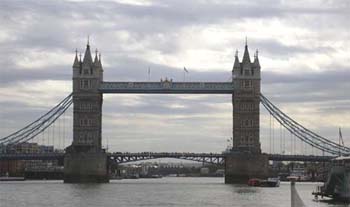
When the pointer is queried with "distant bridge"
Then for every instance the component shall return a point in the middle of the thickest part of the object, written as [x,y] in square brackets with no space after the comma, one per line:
[211,158]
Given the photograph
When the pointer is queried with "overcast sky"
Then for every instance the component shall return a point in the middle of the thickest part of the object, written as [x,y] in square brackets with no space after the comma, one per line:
[304,52]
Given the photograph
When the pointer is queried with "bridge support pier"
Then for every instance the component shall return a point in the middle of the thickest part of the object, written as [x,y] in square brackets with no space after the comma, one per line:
[240,167]
[85,167]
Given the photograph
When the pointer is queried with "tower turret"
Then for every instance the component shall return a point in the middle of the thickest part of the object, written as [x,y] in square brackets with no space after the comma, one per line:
[256,60]
[246,58]
[236,64]
[76,65]
[99,60]
[96,58]
[87,56]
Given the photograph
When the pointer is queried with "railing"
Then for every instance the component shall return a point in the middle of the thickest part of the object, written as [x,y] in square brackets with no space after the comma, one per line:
[300,158]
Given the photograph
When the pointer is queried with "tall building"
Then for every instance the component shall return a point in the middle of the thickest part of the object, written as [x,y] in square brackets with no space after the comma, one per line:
[246,161]
[245,101]
[85,161]
[87,102]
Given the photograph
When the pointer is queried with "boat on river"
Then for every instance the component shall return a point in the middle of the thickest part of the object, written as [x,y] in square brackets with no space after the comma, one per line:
[270,182]
[337,186]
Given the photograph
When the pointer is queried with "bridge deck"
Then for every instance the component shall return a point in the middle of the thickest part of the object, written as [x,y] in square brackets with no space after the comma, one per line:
[168,87]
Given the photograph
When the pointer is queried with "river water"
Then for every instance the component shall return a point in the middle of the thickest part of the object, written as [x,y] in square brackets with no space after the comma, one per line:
[164,192]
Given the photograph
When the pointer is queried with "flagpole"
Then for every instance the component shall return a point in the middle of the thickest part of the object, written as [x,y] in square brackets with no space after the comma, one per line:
[341,136]
[339,141]
[185,71]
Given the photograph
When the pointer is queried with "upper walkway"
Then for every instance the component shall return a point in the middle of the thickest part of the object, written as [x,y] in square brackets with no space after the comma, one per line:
[168,87]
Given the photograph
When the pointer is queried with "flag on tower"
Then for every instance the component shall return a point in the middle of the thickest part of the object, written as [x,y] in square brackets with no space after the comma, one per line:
[185,70]
[341,137]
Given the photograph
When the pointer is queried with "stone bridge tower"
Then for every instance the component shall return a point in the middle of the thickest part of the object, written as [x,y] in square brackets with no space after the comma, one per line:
[245,103]
[85,161]
[245,159]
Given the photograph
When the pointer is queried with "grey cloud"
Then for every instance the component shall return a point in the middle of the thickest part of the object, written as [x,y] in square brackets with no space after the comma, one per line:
[13,76]
[161,105]
[273,47]
[335,75]
[308,86]
[62,26]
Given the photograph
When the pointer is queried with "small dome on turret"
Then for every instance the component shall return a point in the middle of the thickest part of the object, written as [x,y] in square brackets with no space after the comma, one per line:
[87,60]
[256,60]
[236,64]
[97,60]
[246,58]
[76,63]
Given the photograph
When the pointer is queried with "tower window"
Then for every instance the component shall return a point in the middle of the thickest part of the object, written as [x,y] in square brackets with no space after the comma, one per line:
[247,123]
[247,83]
[246,72]
[86,106]
[86,122]
[85,84]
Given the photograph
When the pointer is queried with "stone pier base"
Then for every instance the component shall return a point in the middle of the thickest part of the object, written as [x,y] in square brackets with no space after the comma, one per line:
[240,167]
[86,168]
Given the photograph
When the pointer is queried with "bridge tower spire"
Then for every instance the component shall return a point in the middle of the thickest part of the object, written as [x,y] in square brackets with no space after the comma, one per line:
[85,160]
[246,159]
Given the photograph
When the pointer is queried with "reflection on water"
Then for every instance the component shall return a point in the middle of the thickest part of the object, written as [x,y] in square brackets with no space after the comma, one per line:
[197,192]
[243,189]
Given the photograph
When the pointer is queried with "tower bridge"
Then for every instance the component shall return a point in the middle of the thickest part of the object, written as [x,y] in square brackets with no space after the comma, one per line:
[84,157]
[86,161]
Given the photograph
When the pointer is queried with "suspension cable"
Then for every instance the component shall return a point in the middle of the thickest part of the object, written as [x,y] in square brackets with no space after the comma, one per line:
[40,118]
[35,126]
[301,132]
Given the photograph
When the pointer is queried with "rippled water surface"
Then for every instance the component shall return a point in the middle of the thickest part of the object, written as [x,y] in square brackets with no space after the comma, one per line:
[196,192]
